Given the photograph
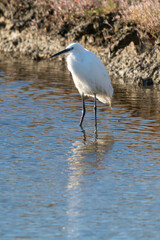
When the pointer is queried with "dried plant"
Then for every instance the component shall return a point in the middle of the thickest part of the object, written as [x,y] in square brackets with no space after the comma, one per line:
[57,12]
[145,13]
[53,14]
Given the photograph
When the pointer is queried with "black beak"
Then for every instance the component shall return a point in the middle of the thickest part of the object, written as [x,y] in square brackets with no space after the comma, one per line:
[63,51]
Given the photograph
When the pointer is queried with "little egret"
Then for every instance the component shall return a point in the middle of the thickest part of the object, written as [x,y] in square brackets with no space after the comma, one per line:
[89,75]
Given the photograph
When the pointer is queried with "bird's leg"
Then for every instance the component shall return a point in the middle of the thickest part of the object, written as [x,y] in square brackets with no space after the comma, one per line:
[95,111]
[83,110]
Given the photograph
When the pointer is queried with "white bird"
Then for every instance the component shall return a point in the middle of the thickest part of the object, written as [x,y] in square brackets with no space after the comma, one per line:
[89,75]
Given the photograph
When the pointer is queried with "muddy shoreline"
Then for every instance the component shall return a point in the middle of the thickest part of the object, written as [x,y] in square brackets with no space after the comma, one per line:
[129,57]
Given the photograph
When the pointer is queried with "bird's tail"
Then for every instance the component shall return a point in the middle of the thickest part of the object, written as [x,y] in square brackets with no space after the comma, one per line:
[104,99]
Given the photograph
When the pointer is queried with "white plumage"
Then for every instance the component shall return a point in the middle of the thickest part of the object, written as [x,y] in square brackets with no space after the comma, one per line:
[89,75]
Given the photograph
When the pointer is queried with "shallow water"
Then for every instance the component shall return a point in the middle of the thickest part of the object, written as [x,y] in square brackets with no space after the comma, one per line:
[58,181]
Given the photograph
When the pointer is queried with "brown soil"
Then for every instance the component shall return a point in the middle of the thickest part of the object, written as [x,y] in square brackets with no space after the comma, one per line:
[129,57]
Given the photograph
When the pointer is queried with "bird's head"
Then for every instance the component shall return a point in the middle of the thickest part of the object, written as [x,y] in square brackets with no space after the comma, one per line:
[72,48]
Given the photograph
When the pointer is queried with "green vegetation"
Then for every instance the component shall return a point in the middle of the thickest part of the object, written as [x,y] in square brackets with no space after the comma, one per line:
[51,14]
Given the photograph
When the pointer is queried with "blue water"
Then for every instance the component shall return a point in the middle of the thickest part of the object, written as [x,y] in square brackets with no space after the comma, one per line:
[58,181]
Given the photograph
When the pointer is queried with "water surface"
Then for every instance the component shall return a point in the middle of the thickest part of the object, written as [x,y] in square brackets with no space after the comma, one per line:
[58,181]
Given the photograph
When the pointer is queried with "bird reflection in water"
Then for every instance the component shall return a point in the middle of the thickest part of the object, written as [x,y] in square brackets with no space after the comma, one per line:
[87,155]
[87,158]
[84,133]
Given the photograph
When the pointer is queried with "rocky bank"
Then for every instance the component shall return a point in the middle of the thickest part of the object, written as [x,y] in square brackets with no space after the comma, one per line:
[129,56]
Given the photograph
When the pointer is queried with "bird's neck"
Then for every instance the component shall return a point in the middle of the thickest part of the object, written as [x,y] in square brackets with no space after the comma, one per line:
[79,55]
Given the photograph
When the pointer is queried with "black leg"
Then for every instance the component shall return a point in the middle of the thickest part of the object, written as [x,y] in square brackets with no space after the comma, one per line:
[83,110]
[95,111]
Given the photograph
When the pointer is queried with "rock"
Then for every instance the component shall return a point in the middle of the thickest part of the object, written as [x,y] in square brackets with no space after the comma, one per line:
[129,57]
